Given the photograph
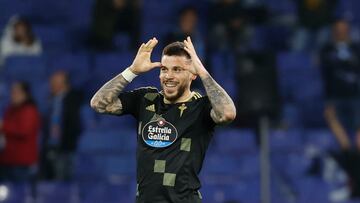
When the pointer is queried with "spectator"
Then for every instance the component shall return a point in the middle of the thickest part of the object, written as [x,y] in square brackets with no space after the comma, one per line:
[314,17]
[341,68]
[111,17]
[20,129]
[62,128]
[188,26]
[228,28]
[18,39]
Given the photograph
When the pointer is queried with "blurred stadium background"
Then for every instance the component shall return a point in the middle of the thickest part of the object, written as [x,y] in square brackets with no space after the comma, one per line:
[104,168]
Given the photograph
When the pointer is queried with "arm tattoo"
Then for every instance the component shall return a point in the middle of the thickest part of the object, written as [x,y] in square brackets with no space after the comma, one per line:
[106,98]
[222,104]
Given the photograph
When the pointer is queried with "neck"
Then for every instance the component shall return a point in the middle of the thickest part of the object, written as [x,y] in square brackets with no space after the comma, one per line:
[184,98]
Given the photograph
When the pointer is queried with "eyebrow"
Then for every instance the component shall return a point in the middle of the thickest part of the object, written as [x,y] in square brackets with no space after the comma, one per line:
[162,66]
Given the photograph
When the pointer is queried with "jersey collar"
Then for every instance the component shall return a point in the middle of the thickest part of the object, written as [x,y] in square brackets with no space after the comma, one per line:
[190,98]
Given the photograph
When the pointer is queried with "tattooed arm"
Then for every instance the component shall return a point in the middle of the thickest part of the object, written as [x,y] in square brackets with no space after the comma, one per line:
[106,99]
[223,109]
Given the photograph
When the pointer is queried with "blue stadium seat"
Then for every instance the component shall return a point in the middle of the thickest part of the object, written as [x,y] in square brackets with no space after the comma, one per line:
[80,14]
[94,192]
[97,166]
[16,192]
[106,166]
[214,193]
[223,68]
[312,113]
[57,192]
[300,83]
[122,42]
[277,37]
[245,191]
[294,69]
[258,39]
[49,12]
[151,28]
[250,166]
[321,138]
[41,94]
[158,19]
[158,9]
[14,7]
[291,165]
[312,190]
[116,122]
[241,191]
[286,140]
[89,118]
[4,96]
[29,68]
[229,165]
[123,165]
[86,168]
[291,115]
[77,65]
[109,65]
[229,141]
[53,38]
[107,141]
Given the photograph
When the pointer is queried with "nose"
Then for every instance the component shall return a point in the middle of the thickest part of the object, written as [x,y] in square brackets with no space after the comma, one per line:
[169,74]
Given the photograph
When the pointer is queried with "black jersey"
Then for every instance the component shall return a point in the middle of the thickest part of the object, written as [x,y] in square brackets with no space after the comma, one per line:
[171,143]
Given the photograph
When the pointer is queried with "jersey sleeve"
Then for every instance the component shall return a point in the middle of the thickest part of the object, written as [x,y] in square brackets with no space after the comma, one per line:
[132,100]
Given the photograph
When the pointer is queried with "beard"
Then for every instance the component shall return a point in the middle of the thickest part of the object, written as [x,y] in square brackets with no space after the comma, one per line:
[174,95]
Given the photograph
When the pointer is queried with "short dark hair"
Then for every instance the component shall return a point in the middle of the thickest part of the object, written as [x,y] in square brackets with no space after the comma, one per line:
[175,49]
[25,87]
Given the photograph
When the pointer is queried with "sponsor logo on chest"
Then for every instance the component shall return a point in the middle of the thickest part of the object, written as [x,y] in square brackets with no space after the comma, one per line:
[159,133]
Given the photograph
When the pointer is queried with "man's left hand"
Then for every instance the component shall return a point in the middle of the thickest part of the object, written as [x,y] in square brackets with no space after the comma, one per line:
[197,67]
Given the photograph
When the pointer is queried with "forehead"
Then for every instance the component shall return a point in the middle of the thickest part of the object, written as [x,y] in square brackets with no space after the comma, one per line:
[172,61]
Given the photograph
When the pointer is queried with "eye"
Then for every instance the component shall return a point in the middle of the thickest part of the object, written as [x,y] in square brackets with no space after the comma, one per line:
[163,69]
[177,69]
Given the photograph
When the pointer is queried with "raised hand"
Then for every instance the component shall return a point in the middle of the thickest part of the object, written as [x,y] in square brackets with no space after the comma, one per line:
[142,62]
[223,109]
[197,67]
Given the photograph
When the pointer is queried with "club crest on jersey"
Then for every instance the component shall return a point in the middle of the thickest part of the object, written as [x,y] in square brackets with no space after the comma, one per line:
[159,133]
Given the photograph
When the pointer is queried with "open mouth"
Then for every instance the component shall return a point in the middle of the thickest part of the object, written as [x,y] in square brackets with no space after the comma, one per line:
[170,84]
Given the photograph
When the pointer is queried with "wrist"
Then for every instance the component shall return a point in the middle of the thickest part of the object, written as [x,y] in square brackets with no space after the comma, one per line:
[132,69]
[203,74]
[129,74]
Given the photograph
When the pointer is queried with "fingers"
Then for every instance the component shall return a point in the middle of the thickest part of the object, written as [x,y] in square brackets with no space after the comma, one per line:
[141,47]
[148,47]
[188,43]
[148,42]
[187,50]
[152,43]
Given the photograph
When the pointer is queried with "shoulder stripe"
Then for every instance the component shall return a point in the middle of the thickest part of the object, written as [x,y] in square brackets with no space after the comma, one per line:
[146,88]
[151,96]
[198,94]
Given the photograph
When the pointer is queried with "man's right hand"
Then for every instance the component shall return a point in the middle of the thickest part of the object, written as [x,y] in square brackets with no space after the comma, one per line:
[142,62]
